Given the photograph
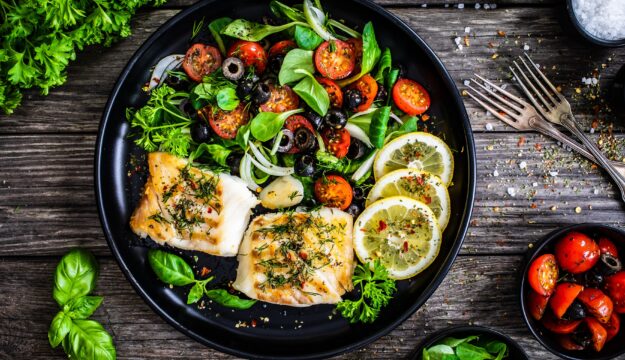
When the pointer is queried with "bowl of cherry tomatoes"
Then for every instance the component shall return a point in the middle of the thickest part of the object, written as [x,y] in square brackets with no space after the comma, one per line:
[573,292]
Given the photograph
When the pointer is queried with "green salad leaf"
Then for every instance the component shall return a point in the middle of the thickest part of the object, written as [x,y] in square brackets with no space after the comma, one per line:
[286,12]
[378,126]
[227,99]
[313,93]
[468,348]
[216,27]
[384,66]
[266,125]
[216,152]
[370,55]
[296,59]
[75,276]
[251,31]
[306,38]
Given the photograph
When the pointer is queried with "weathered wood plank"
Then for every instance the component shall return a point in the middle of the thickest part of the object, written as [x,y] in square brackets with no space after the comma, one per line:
[77,106]
[29,308]
[47,199]
[417,3]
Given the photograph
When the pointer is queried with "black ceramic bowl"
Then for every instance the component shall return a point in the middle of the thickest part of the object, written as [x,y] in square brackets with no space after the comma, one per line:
[614,348]
[311,332]
[515,351]
[585,34]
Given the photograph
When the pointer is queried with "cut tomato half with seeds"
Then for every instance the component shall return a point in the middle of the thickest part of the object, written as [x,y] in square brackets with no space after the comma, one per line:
[201,60]
[226,123]
[410,97]
[543,274]
[335,59]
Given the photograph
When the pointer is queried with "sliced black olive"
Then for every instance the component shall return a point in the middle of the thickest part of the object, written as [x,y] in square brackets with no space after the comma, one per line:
[358,193]
[305,165]
[315,119]
[200,131]
[261,94]
[608,264]
[356,149]
[286,141]
[354,209]
[245,87]
[233,68]
[582,335]
[304,139]
[275,63]
[175,82]
[187,107]
[234,161]
[353,98]
[575,312]
[382,94]
[335,118]
[593,278]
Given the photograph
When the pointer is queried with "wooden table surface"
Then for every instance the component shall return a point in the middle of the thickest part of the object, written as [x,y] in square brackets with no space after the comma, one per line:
[47,201]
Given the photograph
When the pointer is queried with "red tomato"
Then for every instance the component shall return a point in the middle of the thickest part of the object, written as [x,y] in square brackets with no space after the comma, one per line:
[543,274]
[597,303]
[356,44]
[226,123]
[251,53]
[566,342]
[607,247]
[282,99]
[335,59]
[337,141]
[563,297]
[615,287]
[577,253]
[295,122]
[368,88]
[333,191]
[537,304]
[559,326]
[410,97]
[334,92]
[599,333]
[200,61]
[282,47]
[613,326]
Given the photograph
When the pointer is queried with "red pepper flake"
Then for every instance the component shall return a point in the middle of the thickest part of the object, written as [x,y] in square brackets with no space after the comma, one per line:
[428,200]
[303,255]
[521,141]
[595,124]
[253,323]
[405,249]
[205,271]
[210,210]
[501,33]
[382,226]
[538,146]
[533,206]
[420,180]
[425,117]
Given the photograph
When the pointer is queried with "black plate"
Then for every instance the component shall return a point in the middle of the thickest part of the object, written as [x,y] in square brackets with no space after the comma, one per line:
[291,332]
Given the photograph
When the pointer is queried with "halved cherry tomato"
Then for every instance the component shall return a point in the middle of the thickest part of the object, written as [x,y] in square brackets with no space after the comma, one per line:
[282,99]
[410,97]
[577,253]
[368,88]
[563,297]
[599,333]
[356,44]
[559,326]
[615,287]
[335,59]
[537,304]
[607,247]
[543,274]
[226,123]
[333,191]
[337,141]
[334,92]
[295,122]
[282,47]
[597,303]
[251,53]
[566,342]
[613,326]
[200,61]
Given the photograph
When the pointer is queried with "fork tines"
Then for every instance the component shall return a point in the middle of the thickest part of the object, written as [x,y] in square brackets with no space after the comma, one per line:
[538,83]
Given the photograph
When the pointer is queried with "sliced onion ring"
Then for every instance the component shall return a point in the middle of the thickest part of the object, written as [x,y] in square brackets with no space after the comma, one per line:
[357,133]
[159,74]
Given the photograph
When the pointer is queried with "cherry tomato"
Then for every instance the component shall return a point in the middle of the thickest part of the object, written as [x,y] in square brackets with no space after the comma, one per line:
[607,247]
[566,342]
[613,326]
[543,274]
[559,326]
[333,191]
[597,303]
[577,253]
[251,53]
[537,304]
[356,44]
[599,333]
[335,59]
[282,47]
[200,61]
[410,97]
[337,141]
[615,287]
[226,123]
[282,99]
[368,88]
[295,122]
[334,92]
[563,297]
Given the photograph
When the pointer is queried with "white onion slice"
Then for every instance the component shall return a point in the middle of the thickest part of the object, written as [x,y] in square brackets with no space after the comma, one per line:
[245,170]
[356,132]
[159,74]
[316,19]
[365,167]
[272,169]
[397,118]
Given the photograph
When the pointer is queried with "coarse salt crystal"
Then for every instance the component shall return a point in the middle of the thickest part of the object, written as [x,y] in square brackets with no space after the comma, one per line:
[461,6]
[526,47]
[495,173]
[467,83]
[522,165]
[604,19]
[594,81]
[486,6]
[460,47]
[553,173]
[458,40]
[592,130]
[534,184]
[467,29]
[512,191]
[489,127]
[504,86]
[424,5]
[493,6]
[477,5]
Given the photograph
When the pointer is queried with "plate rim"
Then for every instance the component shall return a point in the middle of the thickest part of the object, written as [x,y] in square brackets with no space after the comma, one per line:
[428,291]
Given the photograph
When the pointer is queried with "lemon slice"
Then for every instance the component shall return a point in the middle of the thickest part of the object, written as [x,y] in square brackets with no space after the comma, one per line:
[416,184]
[417,150]
[402,232]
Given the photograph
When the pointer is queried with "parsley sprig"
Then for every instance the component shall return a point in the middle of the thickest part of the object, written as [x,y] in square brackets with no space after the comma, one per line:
[376,290]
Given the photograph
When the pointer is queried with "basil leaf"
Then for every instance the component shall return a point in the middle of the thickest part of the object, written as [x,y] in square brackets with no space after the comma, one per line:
[313,94]
[384,66]
[379,123]
[75,276]
[226,299]
[218,153]
[251,31]
[195,294]
[286,12]
[243,136]
[437,352]
[294,60]
[454,342]
[466,351]
[170,268]
[227,99]
[59,328]
[391,79]
[306,38]
[215,27]
[266,125]
[89,340]
[83,307]
[497,347]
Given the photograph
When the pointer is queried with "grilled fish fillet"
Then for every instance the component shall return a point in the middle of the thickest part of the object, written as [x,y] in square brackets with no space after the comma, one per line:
[297,258]
[192,209]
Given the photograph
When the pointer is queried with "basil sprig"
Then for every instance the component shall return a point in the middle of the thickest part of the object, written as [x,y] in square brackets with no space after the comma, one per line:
[74,279]
[172,269]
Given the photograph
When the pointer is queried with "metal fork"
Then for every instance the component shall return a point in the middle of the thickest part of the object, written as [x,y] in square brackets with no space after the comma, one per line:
[521,115]
[556,109]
